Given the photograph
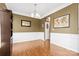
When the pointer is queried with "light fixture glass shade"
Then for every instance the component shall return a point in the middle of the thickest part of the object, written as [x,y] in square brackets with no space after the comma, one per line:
[36,15]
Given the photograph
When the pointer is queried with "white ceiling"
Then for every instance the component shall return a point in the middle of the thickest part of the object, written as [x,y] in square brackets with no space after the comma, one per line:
[43,9]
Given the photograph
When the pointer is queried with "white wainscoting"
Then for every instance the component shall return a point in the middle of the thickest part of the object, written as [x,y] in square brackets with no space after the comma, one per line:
[27,36]
[68,41]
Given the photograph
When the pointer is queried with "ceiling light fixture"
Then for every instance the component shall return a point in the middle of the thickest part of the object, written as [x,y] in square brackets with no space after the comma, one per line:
[35,14]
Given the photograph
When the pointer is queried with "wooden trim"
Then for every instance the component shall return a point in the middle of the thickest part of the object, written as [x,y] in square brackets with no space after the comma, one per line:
[6,10]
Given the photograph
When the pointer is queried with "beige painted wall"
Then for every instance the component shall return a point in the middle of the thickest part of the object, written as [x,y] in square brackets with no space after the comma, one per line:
[35,24]
[42,24]
[73,11]
[2,6]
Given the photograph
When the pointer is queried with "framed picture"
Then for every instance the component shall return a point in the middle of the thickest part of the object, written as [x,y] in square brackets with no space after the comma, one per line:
[25,23]
[62,22]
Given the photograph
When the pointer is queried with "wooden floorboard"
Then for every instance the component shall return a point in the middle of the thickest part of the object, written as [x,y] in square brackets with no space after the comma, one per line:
[32,48]
[40,48]
[60,51]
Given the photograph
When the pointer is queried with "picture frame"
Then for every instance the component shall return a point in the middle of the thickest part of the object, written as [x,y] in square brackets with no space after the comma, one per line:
[25,23]
[62,22]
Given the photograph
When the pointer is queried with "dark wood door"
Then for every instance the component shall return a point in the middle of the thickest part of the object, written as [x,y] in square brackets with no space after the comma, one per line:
[6,23]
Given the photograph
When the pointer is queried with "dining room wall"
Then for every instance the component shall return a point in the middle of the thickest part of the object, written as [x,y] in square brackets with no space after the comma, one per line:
[67,37]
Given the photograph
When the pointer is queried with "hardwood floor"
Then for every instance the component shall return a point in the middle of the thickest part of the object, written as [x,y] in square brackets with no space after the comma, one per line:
[32,48]
[40,48]
[60,51]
